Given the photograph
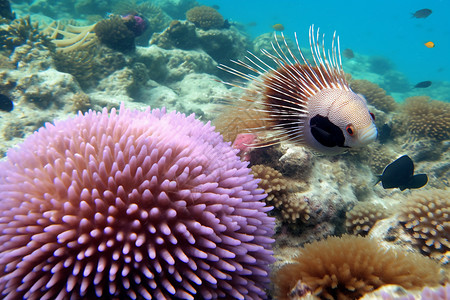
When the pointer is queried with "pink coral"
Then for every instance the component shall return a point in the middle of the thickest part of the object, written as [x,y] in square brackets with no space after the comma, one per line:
[129,205]
[243,143]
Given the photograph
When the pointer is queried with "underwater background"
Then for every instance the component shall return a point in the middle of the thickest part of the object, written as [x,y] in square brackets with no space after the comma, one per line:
[334,231]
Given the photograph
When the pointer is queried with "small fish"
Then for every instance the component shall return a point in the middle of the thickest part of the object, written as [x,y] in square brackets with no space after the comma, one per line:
[348,53]
[215,6]
[6,104]
[400,174]
[278,27]
[422,13]
[429,44]
[423,84]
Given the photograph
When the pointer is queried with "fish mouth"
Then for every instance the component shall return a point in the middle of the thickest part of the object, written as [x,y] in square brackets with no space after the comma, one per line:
[368,134]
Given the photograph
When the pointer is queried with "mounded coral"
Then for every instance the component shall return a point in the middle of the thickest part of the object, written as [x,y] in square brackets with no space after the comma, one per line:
[363,216]
[348,267]
[114,33]
[131,204]
[374,94]
[424,117]
[279,193]
[426,216]
[205,17]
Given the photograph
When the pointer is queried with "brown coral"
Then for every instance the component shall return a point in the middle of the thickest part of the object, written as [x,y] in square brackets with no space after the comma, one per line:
[374,94]
[363,216]
[239,117]
[205,17]
[348,267]
[427,118]
[426,216]
[279,194]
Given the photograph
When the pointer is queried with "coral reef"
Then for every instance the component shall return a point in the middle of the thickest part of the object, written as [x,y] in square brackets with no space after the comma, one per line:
[22,31]
[363,216]
[426,118]
[205,17]
[348,267]
[115,33]
[179,34]
[374,95]
[169,66]
[425,216]
[131,204]
[280,194]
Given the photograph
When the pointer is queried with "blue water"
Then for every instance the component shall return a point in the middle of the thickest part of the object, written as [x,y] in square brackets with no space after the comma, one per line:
[378,27]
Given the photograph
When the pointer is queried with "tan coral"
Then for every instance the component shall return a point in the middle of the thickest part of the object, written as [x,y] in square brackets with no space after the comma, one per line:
[424,117]
[374,94]
[426,216]
[67,37]
[205,17]
[239,117]
[348,267]
[361,218]
[279,194]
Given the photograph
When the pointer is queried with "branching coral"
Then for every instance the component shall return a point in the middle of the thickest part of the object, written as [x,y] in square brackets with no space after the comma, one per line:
[426,118]
[374,94]
[279,193]
[23,31]
[69,38]
[347,267]
[205,17]
[426,215]
[363,216]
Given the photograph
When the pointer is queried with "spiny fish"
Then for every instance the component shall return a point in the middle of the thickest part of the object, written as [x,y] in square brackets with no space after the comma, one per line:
[423,84]
[422,13]
[308,103]
[400,174]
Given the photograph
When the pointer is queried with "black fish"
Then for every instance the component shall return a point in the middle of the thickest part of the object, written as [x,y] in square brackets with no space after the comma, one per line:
[423,84]
[422,13]
[400,174]
[6,103]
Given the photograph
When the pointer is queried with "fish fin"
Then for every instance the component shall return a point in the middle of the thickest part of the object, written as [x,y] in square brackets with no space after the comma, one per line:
[379,177]
[417,181]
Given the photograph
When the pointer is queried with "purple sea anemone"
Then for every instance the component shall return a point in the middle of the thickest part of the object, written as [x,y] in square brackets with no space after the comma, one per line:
[131,205]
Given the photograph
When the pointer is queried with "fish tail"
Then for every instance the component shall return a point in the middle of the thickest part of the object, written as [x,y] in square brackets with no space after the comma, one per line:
[379,177]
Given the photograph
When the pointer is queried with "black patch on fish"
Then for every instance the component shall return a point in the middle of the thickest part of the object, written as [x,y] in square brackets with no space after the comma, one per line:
[423,84]
[6,104]
[384,134]
[400,174]
[422,13]
[325,132]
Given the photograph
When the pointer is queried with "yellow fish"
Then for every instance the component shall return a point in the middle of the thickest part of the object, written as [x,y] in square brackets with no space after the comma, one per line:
[429,44]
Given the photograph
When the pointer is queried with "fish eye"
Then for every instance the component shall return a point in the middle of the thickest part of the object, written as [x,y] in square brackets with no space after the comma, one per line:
[372,115]
[350,129]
